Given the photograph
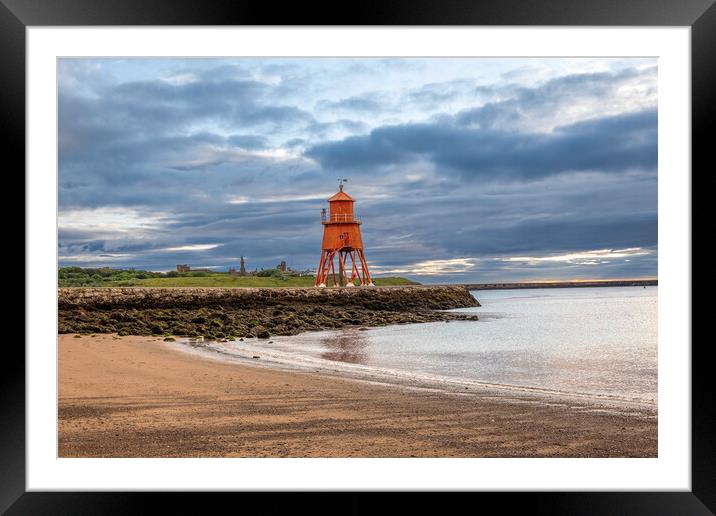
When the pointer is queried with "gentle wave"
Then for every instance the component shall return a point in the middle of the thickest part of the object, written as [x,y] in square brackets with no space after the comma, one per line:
[594,345]
[253,352]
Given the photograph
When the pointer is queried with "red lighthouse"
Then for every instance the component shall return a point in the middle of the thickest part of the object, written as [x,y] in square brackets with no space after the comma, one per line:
[342,240]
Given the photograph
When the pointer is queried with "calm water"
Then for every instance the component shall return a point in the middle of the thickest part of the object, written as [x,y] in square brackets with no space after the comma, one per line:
[593,341]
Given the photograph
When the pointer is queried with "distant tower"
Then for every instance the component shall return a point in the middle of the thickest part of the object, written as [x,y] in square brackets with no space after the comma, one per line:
[342,239]
[242,268]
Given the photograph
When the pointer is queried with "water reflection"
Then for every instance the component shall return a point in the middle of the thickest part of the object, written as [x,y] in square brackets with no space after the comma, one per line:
[348,346]
[563,339]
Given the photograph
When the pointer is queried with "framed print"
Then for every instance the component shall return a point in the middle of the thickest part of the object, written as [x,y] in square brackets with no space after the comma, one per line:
[245,240]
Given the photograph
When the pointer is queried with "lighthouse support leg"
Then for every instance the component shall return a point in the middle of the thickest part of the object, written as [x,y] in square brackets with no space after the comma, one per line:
[354,269]
[324,268]
[321,272]
[331,261]
[343,256]
[327,269]
[341,269]
[364,265]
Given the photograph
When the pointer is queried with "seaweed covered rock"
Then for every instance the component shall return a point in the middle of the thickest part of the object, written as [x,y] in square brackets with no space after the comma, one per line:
[230,313]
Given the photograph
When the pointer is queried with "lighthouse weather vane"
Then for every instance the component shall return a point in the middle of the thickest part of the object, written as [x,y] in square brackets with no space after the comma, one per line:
[342,239]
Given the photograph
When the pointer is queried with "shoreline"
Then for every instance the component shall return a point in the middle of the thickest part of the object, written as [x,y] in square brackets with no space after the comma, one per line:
[140,397]
[253,355]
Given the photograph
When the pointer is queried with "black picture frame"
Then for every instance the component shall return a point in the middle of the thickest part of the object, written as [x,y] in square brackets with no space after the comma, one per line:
[700,15]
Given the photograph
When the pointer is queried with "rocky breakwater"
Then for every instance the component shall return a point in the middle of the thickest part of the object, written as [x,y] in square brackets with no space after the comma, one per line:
[227,313]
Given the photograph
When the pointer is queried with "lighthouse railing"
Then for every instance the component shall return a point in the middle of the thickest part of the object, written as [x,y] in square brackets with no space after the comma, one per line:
[340,217]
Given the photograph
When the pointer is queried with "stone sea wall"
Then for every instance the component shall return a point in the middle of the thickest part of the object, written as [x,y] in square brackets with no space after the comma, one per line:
[377,298]
[247,312]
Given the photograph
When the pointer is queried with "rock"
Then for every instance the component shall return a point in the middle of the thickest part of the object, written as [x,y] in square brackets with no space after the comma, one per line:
[220,313]
[405,297]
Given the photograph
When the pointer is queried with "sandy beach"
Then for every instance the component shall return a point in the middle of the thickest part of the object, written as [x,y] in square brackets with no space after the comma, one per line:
[137,397]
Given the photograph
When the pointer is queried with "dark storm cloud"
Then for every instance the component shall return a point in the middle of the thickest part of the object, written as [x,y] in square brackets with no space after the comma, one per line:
[248,141]
[611,144]
[461,227]
[560,234]
[270,219]
[438,93]
[148,108]
[362,104]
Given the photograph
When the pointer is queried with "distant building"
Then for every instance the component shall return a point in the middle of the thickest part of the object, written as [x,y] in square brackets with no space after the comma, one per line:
[282,266]
[241,271]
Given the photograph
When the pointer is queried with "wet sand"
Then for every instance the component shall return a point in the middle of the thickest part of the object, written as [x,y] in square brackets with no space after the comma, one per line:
[138,397]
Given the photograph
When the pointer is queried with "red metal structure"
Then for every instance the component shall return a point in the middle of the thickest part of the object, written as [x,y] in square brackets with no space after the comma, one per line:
[342,239]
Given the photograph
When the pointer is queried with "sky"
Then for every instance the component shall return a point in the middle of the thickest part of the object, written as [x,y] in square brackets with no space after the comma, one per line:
[463,169]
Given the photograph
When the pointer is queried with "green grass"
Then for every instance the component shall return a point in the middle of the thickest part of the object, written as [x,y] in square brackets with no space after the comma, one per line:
[223,280]
[76,277]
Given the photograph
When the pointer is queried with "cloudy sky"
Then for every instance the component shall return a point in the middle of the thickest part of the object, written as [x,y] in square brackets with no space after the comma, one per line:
[462,169]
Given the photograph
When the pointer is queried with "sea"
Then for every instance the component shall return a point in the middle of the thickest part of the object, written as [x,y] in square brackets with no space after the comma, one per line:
[591,344]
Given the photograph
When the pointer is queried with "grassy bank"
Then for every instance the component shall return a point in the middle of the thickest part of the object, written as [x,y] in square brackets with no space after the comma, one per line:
[224,280]
[106,277]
